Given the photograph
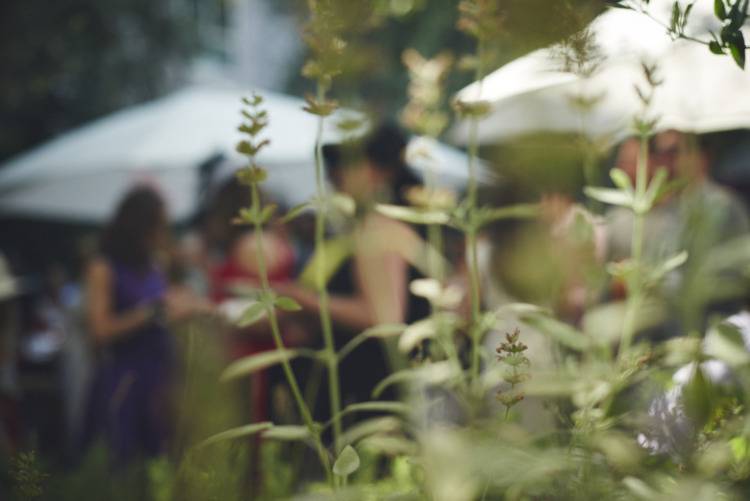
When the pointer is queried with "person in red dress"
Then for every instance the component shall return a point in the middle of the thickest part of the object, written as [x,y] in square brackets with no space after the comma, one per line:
[236,275]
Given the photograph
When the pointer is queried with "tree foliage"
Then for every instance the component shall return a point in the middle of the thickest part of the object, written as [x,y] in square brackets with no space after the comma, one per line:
[69,61]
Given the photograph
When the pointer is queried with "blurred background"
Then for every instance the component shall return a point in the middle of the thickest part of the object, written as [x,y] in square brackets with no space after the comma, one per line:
[69,63]
[98,95]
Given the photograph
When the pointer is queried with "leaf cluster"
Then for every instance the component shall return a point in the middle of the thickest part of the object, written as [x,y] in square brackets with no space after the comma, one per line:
[29,480]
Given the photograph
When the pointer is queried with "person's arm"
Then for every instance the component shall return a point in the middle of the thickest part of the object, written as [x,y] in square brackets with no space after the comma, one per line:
[352,312]
[106,325]
[380,295]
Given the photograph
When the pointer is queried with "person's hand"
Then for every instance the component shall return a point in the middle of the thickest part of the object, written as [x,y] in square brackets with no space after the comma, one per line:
[181,303]
[304,297]
[295,335]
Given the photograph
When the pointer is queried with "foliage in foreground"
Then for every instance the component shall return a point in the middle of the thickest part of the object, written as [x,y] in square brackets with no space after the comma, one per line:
[607,436]
[591,409]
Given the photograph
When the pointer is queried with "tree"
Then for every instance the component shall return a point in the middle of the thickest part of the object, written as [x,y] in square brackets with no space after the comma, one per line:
[69,61]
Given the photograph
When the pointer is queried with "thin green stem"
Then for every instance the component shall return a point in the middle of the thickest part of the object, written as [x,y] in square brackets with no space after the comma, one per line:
[635,288]
[641,182]
[435,264]
[325,315]
[475,328]
[434,231]
[471,235]
[273,320]
[189,379]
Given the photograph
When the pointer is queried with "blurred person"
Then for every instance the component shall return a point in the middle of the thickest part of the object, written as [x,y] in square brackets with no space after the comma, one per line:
[554,261]
[374,264]
[236,276]
[301,231]
[698,215]
[42,345]
[11,287]
[130,307]
[234,280]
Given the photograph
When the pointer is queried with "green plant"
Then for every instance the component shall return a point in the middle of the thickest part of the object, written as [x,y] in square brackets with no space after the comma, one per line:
[28,479]
[602,384]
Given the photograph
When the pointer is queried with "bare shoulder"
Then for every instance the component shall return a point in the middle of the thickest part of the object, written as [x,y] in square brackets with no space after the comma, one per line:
[383,235]
[99,274]
[388,227]
[99,268]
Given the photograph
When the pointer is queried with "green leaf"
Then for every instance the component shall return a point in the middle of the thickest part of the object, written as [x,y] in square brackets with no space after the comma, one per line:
[674,21]
[428,288]
[737,48]
[621,180]
[550,385]
[384,330]
[287,304]
[521,309]
[241,431]
[620,449]
[642,489]
[393,407]
[321,108]
[682,350]
[368,428]
[559,331]
[720,10]
[685,16]
[610,196]
[245,148]
[267,213]
[413,215]
[653,190]
[737,15]
[390,445]
[288,432]
[257,99]
[247,216]
[715,47]
[435,373]
[415,334]
[259,361]
[518,211]
[740,448]
[379,331]
[343,203]
[662,269]
[698,397]
[294,212]
[725,343]
[347,462]
[252,314]
[261,174]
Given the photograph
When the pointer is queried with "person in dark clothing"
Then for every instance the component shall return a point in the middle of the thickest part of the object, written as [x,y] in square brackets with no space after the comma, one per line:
[376,261]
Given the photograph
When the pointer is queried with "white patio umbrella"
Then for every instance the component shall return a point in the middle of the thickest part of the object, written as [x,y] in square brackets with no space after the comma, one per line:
[701,92]
[81,175]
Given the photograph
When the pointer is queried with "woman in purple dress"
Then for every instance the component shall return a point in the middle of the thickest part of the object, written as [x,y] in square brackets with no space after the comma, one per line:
[129,307]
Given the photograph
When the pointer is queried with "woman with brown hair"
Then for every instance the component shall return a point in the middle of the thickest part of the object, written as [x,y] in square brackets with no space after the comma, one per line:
[129,308]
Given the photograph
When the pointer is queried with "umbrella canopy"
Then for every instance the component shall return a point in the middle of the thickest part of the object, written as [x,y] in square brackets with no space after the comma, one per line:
[82,174]
[701,92]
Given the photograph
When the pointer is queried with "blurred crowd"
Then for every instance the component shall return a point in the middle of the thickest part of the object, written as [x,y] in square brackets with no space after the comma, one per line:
[95,356]
[91,355]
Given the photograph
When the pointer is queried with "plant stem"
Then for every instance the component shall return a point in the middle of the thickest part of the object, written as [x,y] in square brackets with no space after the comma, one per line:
[273,320]
[188,385]
[325,315]
[471,234]
[635,292]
